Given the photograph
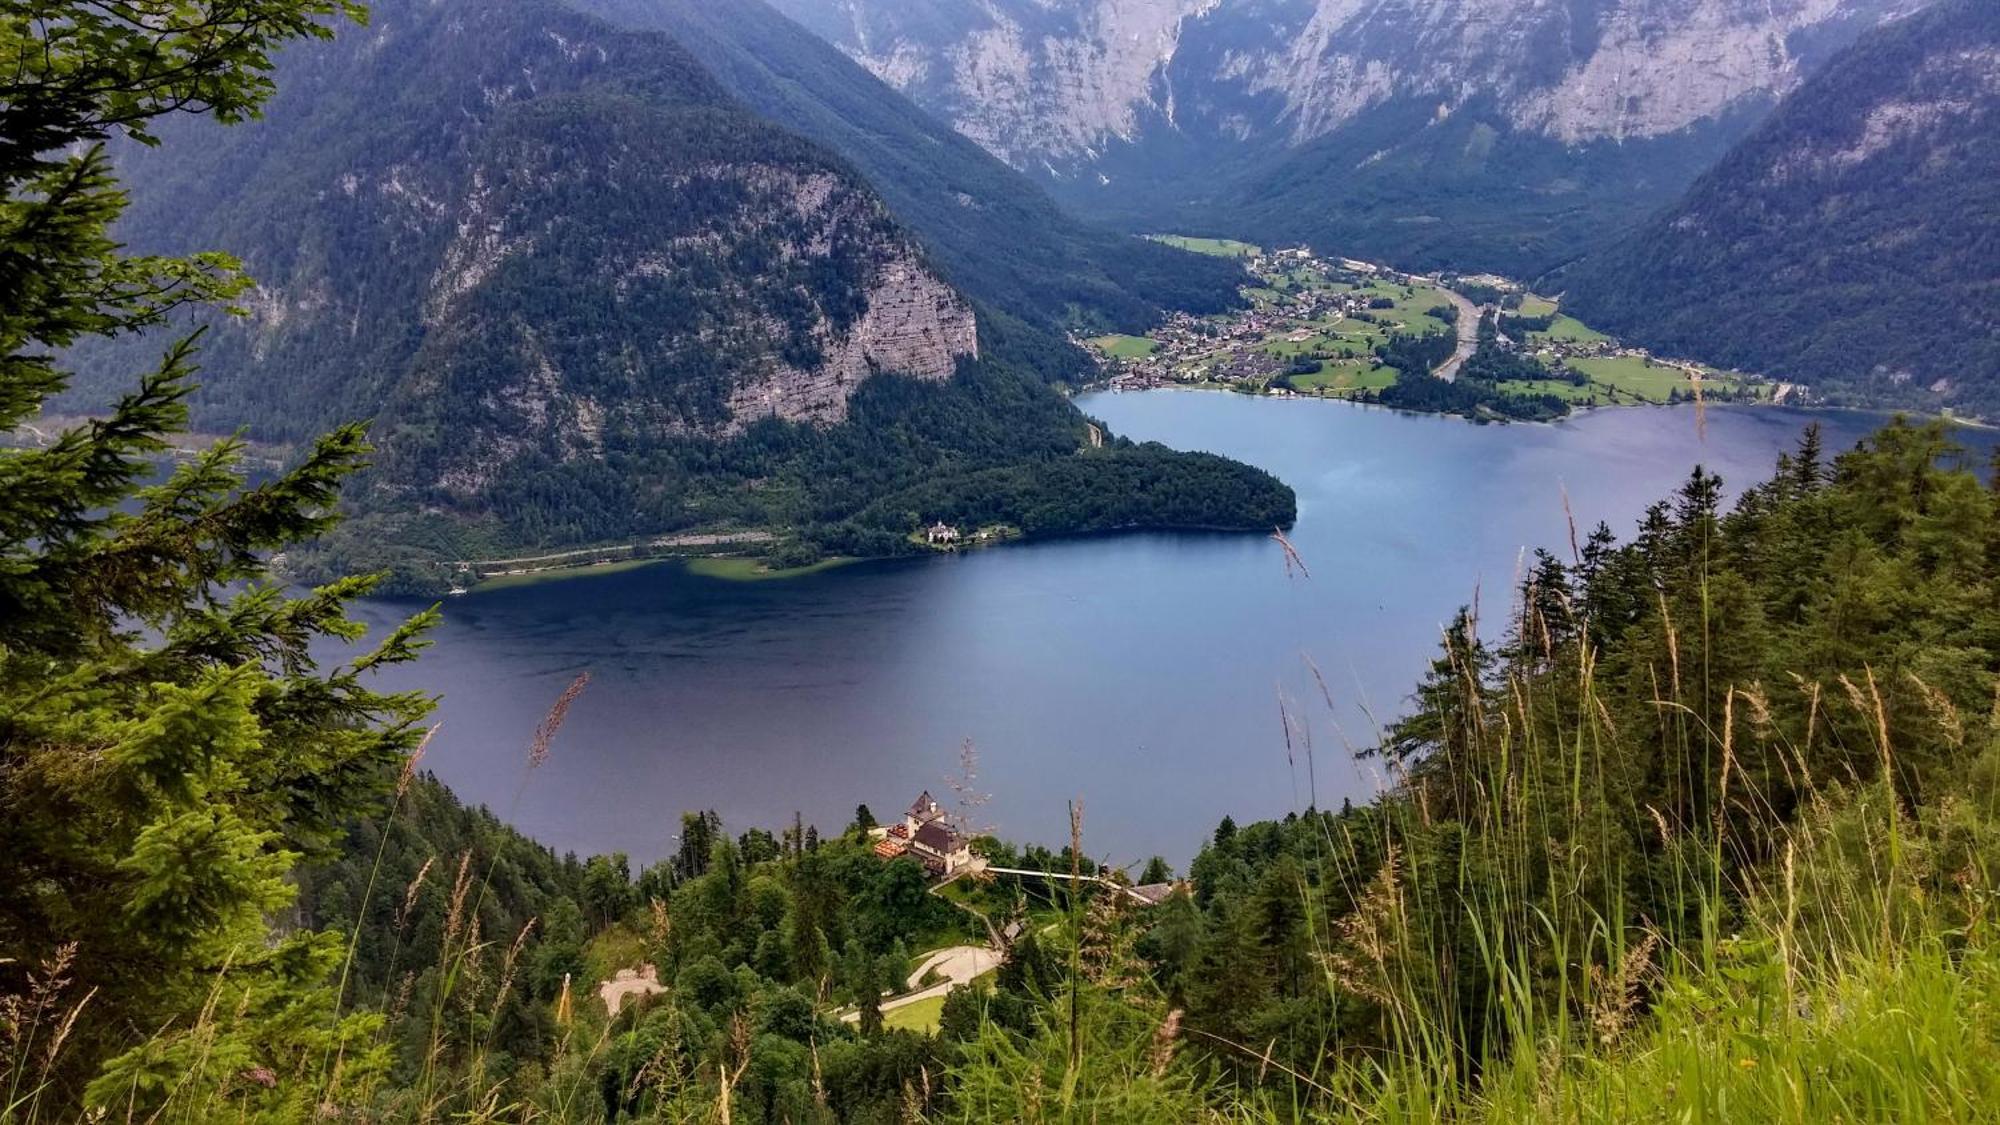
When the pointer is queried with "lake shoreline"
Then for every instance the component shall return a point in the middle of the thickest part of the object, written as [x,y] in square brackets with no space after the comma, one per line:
[755,568]
[752,568]
[1108,387]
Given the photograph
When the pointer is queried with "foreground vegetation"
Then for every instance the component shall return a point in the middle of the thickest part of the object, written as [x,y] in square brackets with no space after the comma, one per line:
[1704,828]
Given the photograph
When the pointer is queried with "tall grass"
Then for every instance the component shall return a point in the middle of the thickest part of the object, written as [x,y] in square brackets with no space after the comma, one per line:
[1835,963]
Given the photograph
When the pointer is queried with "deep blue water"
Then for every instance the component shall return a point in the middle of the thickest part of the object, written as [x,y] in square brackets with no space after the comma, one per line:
[1141,673]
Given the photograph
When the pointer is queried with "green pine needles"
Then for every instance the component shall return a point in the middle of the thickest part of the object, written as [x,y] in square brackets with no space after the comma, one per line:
[169,746]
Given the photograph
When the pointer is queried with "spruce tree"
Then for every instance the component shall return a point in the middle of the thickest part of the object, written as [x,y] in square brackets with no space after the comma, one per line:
[170,745]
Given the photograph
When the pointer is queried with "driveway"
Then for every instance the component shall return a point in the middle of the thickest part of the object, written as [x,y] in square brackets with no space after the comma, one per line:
[956,965]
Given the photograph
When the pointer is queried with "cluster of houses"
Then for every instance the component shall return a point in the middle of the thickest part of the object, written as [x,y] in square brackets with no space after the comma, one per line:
[1193,349]
[924,835]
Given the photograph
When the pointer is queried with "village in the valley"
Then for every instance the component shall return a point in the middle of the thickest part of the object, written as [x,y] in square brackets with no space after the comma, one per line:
[1314,326]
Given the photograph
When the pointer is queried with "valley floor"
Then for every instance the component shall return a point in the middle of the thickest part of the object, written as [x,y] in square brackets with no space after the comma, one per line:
[1323,327]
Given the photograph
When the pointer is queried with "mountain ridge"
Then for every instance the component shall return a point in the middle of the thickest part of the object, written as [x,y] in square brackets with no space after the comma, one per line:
[1850,242]
[1552,121]
[993,231]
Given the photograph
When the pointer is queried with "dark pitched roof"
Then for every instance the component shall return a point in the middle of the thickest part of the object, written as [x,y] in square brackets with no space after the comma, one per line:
[925,805]
[937,837]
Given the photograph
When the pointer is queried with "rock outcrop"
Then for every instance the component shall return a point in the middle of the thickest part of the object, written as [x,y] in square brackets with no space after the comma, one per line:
[915,325]
[1053,83]
[543,244]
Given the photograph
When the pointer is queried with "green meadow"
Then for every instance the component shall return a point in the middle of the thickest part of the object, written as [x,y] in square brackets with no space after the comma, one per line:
[1125,347]
[1214,247]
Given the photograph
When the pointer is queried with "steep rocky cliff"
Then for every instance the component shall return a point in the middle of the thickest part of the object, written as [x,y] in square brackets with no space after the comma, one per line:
[1853,241]
[994,231]
[1244,112]
[525,230]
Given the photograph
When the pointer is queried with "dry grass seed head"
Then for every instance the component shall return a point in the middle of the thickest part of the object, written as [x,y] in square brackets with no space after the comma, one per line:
[1166,1039]
[410,763]
[509,963]
[1728,756]
[1659,821]
[545,734]
[410,892]
[1940,706]
[455,916]
[1616,1000]
[658,926]
[1292,558]
[1369,935]
[1673,644]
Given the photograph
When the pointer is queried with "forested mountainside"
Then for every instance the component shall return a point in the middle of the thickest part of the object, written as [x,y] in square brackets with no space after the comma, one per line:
[587,295]
[1853,242]
[994,232]
[534,231]
[1453,134]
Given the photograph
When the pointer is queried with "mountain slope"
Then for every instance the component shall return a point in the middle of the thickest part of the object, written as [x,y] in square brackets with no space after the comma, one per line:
[533,193]
[587,295]
[1852,242]
[995,234]
[1453,132]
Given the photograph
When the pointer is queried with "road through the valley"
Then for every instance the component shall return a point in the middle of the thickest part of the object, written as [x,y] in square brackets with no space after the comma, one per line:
[1468,336]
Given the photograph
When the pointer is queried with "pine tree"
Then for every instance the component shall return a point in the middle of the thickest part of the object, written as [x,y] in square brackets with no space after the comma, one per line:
[869,989]
[1807,468]
[169,745]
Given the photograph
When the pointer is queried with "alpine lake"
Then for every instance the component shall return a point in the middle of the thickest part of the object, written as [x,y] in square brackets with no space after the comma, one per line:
[1149,676]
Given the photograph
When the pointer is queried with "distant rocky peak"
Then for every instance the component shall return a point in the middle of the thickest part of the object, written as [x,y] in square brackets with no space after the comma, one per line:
[1053,82]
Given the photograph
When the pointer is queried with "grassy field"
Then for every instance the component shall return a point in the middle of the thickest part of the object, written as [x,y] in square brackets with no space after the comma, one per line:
[1570,330]
[1568,392]
[1285,347]
[559,574]
[1214,247]
[1536,306]
[736,568]
[732,568]
[920,1017]
[1412,305]
[1125,347]
[1636,377]
[1343,378]
[1625,379]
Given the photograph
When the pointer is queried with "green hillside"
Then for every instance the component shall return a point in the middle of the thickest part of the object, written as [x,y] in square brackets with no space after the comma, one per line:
[1849,243]
[996,234]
